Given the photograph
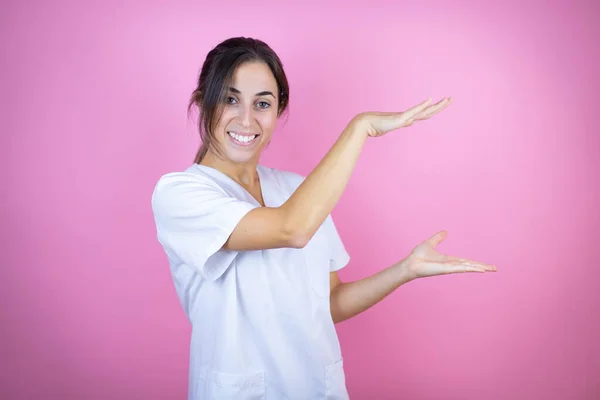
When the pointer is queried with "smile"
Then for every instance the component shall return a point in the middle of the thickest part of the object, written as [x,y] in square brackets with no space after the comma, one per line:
[243,140]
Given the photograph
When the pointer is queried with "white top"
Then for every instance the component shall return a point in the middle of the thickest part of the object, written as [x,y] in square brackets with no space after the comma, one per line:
[261,320]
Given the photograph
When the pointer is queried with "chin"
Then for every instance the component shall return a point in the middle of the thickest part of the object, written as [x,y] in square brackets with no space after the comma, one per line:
[242,156]
[238,158]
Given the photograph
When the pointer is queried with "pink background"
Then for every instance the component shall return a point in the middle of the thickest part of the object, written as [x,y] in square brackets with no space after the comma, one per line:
[93,112]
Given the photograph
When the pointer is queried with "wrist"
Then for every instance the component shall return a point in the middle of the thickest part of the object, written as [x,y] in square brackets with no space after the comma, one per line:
[403,271]
[358,126]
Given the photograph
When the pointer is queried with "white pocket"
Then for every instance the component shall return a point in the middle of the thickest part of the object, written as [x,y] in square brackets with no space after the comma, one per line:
[226,386]
[335,384]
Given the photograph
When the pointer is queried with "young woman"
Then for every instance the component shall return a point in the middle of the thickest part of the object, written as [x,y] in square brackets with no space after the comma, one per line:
[253,251]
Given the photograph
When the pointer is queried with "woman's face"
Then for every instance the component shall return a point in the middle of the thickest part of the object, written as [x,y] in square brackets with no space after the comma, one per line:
[249,113]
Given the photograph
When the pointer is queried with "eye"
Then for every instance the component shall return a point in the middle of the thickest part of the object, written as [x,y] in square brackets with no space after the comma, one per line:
[230,100]
[263,104]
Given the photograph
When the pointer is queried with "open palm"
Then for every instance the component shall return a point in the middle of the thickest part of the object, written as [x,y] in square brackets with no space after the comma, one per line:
[380,123]
[424,260]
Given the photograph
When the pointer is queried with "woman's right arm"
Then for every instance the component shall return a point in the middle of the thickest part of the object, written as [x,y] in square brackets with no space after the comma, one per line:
[295,222]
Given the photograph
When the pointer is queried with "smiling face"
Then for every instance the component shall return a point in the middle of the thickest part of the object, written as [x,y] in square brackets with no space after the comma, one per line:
[249,114]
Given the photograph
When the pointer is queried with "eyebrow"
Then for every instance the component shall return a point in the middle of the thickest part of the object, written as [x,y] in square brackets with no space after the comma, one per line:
[263,93]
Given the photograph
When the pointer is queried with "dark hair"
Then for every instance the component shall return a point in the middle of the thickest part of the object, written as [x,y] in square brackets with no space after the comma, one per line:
[215,79]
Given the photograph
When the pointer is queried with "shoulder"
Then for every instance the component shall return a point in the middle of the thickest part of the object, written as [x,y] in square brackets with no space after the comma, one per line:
[173,188]
[190,178]
[191,175]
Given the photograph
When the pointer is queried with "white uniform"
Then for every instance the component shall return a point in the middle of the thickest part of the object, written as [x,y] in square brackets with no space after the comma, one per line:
[261,320]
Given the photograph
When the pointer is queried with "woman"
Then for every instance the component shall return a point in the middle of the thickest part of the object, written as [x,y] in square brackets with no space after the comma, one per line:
[253,251]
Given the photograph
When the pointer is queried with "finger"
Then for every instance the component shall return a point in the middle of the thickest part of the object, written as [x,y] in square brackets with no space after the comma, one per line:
[466,269]
[487,267]
[411,112]
[453,268]
[434,109]
[437,238]
[464,261]
[457,267]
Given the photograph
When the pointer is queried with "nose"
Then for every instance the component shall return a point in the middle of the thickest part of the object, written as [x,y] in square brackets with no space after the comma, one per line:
[246,117]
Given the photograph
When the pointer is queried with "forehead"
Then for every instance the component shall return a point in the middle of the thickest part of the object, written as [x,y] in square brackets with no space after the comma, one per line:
[254,77]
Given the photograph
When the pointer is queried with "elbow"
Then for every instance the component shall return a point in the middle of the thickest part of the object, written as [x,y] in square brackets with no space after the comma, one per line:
[295,233]
[297,238]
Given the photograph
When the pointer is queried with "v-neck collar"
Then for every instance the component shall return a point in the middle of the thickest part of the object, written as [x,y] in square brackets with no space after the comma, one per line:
[261,181]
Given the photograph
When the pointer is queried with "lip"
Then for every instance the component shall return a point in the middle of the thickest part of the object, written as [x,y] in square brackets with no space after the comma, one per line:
[243,144]
[244,133]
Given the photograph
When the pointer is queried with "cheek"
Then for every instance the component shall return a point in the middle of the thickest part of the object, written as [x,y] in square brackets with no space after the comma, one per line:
[222,126]
[226,117]
[268,122]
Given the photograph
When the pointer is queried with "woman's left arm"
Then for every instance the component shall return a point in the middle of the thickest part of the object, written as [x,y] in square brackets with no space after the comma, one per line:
[351,298]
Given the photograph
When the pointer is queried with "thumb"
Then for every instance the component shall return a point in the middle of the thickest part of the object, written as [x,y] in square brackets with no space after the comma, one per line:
[437,238]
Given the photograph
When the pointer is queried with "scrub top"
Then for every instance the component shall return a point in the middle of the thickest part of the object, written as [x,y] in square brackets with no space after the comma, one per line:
[261,320]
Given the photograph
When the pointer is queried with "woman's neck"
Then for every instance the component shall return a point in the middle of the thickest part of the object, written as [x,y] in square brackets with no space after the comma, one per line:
[243,173]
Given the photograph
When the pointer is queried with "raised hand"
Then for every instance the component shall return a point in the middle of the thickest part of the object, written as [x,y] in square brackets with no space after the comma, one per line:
[380,123]
[424,260]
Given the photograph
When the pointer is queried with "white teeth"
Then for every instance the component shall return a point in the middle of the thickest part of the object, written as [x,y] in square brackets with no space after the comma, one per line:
[240,138]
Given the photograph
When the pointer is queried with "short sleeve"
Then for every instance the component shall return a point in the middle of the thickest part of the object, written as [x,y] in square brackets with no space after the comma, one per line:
[339,255]
[194,218]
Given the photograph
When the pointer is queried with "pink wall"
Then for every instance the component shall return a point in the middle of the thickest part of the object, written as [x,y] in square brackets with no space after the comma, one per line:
[93,112]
